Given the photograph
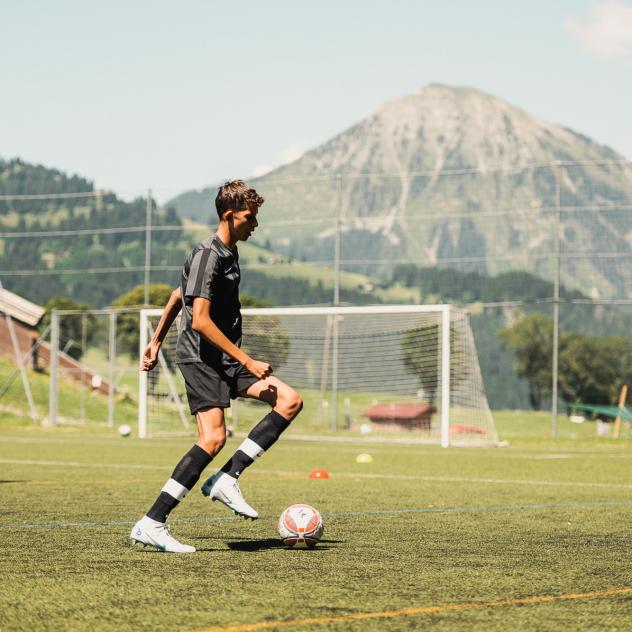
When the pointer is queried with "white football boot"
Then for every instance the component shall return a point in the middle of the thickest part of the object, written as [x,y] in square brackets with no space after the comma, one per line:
[225,488]
[157,534]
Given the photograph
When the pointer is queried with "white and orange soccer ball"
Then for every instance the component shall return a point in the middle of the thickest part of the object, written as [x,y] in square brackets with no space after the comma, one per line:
[300,526]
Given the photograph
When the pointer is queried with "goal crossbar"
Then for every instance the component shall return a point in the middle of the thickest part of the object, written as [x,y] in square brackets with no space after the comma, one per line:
[330,311]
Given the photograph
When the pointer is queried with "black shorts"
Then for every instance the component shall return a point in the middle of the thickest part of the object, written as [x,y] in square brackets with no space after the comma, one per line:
[212,387]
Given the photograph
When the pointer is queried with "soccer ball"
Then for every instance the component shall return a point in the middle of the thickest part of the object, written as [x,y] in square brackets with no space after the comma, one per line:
[124,430]
[300,526]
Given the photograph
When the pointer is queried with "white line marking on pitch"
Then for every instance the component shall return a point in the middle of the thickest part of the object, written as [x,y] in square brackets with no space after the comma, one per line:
[464,479]
[116,466]
[311,443]
[399,477]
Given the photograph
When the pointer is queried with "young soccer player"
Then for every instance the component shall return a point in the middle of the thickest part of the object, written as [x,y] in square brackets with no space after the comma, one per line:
[215,369]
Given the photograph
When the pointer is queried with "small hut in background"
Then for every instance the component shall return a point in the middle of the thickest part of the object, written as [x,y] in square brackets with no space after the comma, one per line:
[400,416]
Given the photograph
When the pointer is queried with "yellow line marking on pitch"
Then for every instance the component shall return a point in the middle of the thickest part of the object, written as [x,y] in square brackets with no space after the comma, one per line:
[449,607]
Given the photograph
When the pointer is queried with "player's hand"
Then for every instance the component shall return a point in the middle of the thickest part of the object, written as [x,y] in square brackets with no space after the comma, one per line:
[150,357]
[260,370]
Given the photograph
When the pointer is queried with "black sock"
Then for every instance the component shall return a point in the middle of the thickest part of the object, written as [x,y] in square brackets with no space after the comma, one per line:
[184,477]
[261,437]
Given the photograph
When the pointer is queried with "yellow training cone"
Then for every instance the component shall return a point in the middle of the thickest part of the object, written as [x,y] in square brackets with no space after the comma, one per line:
[364,458]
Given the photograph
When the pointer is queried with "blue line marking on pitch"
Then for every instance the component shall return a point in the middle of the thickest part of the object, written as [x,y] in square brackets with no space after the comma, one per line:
[378,512]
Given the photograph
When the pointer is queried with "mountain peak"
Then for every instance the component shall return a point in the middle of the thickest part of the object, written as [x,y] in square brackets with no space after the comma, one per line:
[442,127]
[451,91]
[446,127]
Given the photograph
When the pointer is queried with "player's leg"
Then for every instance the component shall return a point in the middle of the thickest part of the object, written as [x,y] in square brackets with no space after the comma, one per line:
[286,405]
[152,528]
[208,395]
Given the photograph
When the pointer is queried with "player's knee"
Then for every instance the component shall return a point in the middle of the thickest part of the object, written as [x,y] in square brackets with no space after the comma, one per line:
[299,403]
[213,444]
[213,441]
[292,404]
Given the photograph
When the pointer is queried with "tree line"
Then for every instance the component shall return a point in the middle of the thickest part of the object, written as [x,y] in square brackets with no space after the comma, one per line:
[592,369]
[506,383]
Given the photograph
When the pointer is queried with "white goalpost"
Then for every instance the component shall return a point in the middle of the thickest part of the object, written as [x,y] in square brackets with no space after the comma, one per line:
[394,371]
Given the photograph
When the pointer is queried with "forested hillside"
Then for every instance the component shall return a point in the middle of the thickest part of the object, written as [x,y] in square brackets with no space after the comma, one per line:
[95,265]
[88,263]
[504,388]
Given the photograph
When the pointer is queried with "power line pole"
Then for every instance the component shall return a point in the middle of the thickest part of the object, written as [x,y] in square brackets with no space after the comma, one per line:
[112,366]
[147,246]
[336,317]
[556,296]
[337,242]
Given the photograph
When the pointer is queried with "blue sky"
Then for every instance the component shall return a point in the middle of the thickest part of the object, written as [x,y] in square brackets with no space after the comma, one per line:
[174,96]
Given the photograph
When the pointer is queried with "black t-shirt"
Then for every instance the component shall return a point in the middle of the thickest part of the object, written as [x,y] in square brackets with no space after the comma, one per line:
[212,272]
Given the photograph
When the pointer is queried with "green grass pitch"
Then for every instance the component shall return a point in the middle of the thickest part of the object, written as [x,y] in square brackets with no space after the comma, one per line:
[535,536]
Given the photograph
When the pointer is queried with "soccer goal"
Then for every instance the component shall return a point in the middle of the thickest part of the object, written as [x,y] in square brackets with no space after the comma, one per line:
[394,371]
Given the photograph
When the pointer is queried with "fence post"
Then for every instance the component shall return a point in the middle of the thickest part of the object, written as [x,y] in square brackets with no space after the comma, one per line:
[142,378]
[54,348]
[112,358]
[334,372]
[83,387]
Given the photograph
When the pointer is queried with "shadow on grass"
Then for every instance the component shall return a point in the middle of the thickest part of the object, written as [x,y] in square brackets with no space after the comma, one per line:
[271,543]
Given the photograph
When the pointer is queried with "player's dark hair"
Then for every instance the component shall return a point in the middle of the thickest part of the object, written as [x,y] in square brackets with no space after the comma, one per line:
[236,195]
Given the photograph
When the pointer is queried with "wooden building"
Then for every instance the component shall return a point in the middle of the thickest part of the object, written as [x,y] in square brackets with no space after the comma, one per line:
[25,317]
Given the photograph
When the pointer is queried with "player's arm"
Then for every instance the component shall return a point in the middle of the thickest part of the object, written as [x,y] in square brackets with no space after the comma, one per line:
[204,325]
[172,309]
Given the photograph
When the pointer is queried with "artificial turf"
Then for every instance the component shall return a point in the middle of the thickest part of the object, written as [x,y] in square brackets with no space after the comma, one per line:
[449,534]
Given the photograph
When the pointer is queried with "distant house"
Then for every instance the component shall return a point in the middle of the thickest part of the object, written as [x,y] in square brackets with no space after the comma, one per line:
[26,317]
[401,416]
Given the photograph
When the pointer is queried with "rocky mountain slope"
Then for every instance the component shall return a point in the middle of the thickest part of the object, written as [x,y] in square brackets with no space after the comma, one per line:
[457,178]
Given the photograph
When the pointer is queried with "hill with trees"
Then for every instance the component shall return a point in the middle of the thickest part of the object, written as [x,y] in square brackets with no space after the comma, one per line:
[592,369]
[64,246]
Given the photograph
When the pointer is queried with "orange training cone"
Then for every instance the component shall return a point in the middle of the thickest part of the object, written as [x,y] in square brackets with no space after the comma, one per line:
[319,474]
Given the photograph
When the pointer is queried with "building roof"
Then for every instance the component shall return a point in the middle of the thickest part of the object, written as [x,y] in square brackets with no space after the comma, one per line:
[20,309]
[398,411]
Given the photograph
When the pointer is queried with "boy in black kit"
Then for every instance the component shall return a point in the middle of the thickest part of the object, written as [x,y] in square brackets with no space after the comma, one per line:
[215,369]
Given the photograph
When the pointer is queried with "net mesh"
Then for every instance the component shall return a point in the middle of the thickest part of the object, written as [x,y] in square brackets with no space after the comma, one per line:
[373,373]
[97,370]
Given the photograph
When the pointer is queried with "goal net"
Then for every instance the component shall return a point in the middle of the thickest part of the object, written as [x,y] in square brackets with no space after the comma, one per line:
[393,371]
